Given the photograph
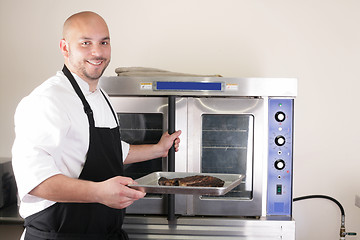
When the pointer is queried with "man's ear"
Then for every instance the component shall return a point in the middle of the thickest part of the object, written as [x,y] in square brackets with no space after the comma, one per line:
[64,47]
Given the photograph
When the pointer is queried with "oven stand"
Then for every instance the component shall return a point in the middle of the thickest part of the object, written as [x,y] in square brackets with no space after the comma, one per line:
[140,227]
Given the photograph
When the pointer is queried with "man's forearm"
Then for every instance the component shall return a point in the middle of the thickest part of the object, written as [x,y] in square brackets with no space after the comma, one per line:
[139,153]
[60,188]
[112,192]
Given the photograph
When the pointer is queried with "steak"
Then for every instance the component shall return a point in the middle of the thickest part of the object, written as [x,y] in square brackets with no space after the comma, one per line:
[163,181]
[192,181]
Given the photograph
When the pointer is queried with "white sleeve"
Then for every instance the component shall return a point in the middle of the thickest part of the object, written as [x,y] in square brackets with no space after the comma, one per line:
[40,127]
[125,149]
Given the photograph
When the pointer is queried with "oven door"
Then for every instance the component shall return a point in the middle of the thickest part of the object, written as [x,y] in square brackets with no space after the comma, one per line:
[143,120]
[228,136]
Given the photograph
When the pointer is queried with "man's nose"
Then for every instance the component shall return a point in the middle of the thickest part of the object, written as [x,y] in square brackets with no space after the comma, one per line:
[96,50]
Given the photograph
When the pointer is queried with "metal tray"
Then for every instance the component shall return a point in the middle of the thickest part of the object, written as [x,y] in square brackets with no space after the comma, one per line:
[149,184]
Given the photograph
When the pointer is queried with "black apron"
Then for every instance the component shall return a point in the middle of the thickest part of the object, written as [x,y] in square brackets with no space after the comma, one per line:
[85,221]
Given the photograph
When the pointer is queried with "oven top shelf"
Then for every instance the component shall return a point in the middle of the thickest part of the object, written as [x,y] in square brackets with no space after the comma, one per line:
[199,86]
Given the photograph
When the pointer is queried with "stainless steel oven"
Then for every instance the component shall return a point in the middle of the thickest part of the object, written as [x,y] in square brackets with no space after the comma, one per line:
[229,125]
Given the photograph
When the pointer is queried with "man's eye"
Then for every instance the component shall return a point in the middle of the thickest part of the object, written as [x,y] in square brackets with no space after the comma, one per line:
[85,43]
[104,43]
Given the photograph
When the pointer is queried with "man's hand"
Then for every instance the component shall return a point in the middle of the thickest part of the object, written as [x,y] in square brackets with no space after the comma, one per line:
[115,193]
[167,141]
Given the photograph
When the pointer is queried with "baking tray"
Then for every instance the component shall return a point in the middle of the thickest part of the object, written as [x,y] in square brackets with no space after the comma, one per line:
[149,183]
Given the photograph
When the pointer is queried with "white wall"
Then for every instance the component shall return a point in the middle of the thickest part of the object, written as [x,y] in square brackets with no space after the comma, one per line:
[317,42]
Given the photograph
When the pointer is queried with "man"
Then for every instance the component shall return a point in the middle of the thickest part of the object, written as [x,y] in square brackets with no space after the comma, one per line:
[67,154]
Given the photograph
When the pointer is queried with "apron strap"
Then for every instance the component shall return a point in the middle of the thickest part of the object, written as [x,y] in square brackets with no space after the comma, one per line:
[87,108]
[112,110]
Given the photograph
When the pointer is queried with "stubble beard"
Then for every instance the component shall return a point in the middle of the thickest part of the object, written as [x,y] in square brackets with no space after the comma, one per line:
[94,76]
[80,67]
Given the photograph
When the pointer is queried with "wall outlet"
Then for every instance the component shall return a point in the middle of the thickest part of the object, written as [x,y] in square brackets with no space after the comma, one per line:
[357,200]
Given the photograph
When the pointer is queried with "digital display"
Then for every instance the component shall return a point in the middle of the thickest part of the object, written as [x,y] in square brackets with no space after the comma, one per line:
[189,86]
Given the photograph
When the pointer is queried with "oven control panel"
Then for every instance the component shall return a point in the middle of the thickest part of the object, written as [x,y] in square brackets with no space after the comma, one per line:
[280,157]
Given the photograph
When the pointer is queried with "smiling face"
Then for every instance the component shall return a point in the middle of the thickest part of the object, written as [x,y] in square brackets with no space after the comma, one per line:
[86,46]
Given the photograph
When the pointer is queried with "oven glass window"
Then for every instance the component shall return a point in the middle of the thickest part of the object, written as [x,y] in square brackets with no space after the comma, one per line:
[141,128]
[227,141]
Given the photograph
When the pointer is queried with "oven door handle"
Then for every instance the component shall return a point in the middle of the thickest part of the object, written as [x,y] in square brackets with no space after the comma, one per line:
[171,155]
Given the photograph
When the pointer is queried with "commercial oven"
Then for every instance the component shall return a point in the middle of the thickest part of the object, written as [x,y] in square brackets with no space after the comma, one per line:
[229,125]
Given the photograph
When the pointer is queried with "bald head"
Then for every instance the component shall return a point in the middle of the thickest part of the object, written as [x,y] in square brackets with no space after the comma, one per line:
[80,20]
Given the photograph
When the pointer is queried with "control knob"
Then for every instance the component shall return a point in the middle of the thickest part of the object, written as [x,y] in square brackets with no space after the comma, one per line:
[280,116]
[279,164]
[280,140]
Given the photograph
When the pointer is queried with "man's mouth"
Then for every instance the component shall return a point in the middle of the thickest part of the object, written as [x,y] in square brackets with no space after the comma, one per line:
[95,62]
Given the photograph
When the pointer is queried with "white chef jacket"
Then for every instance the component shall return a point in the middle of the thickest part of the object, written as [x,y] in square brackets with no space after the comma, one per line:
[52,136]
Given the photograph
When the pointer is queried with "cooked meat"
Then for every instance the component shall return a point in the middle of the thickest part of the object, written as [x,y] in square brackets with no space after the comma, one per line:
[201,181]
[163,181]
[192,181]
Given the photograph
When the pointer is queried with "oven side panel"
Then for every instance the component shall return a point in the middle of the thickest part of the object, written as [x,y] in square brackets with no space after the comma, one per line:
[280,157]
